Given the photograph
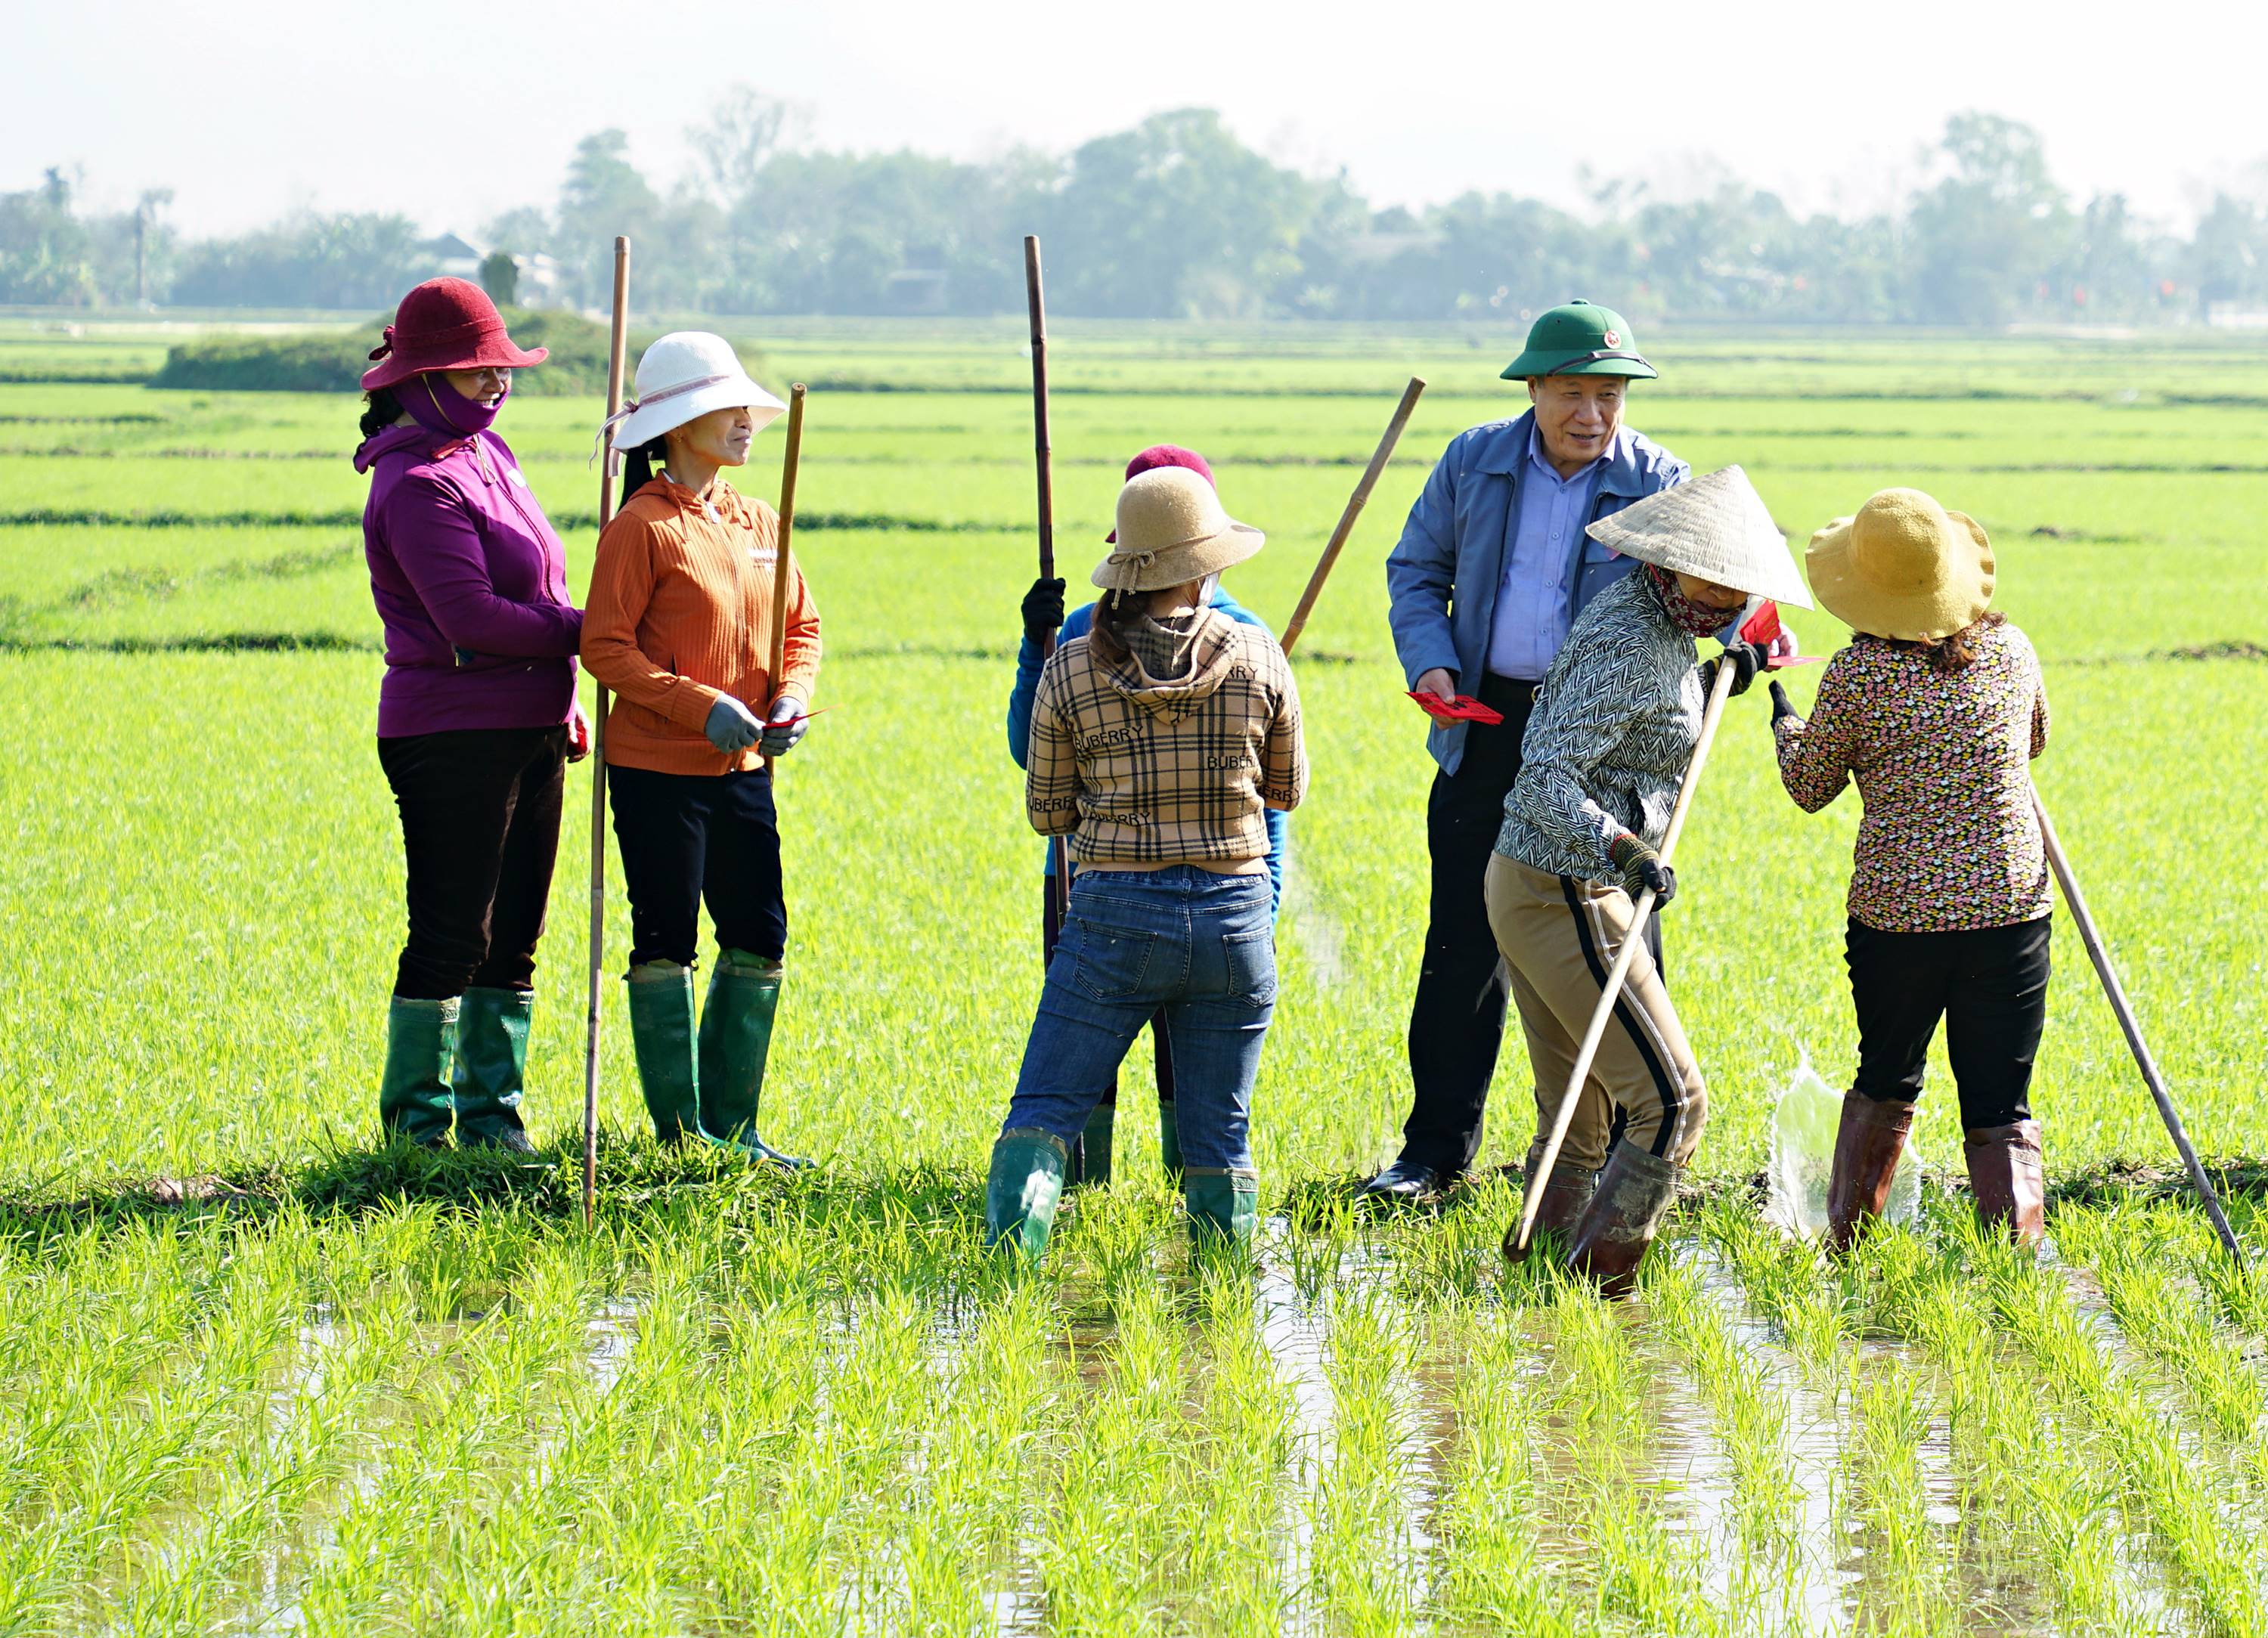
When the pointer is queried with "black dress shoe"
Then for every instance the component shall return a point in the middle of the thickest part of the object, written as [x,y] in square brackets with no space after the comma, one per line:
[1404,1182]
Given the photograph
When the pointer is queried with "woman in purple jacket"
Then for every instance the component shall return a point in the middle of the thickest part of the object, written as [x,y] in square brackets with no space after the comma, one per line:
[476,717]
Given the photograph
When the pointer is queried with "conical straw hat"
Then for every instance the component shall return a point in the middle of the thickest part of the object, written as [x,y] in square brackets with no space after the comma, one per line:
[1714,528]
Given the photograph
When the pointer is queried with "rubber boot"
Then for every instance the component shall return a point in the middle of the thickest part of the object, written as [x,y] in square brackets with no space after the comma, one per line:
[1093,1151]
[1868,1144]
[736,1041]
[1224,1205]
[1169,1141]
[1021,1192]
[414,1100]
[1610,1240]
[661,1033]
[2005,1176]
[1566,1198]
[492,1068]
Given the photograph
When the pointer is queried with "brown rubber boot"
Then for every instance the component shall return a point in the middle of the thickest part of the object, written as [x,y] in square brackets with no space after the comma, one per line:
[1634,1190]
[2005,1176]
[1867,1144]
[1566,1198]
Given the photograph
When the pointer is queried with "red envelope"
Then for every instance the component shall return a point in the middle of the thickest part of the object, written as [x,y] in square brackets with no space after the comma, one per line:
[1461,708]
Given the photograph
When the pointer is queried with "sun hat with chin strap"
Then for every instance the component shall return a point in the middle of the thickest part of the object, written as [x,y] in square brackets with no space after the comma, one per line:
[1904,566]
[681,378]
[1172,529]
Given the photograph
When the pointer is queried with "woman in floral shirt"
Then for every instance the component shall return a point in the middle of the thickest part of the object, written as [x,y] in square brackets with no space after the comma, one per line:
[1935,711]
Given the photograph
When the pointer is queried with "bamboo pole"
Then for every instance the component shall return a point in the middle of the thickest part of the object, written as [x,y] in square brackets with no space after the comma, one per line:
[2116,993]
[1298,623]
[789,465]
[1619,973]
[1043,460]
[614,361]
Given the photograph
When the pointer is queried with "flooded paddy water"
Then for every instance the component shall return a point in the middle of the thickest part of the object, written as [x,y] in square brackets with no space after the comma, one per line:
[1372,1427]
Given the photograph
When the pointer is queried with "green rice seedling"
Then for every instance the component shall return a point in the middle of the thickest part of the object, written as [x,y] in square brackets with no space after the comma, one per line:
[1491,1574]
[2033,1300]
[1367,1563]
[1235,1481]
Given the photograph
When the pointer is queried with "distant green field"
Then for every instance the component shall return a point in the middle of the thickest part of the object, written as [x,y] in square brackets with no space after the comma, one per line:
[814,1406]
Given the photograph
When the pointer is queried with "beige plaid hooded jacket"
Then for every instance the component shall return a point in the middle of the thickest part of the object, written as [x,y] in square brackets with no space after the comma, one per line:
[1139,771]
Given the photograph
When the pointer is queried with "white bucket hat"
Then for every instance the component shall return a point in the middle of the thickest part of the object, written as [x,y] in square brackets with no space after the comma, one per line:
[1716,528]
[682,377]
[1172,529]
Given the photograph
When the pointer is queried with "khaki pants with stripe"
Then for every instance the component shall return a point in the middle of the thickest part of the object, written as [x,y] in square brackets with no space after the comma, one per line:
[1558,937]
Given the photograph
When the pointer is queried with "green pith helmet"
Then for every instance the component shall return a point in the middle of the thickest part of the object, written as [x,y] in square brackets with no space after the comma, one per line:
[1579,339]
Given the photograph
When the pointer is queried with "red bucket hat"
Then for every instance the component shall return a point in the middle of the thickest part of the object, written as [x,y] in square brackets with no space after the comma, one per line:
[444,324]
[1163,455]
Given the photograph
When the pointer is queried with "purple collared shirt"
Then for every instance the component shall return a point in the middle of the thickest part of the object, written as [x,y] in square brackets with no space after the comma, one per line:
[1535,601]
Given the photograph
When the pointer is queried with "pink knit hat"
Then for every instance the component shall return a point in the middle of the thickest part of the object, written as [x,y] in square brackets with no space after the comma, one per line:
[1164,455]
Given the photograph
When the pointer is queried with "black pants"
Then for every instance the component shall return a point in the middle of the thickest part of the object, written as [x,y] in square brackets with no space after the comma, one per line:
[1457,1020]
[480,831]
[686,837]
[1161,1047]
[1990,985]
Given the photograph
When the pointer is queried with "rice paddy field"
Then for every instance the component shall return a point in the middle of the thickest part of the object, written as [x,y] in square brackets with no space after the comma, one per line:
[257,1375]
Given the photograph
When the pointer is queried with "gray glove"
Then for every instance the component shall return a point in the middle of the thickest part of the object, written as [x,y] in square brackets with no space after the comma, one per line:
[789,723]
[732,726]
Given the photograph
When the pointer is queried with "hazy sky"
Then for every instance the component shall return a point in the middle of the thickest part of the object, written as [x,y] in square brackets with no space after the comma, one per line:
[450,113]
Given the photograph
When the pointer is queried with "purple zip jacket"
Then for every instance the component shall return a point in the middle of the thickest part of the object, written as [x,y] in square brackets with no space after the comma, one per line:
[471,584]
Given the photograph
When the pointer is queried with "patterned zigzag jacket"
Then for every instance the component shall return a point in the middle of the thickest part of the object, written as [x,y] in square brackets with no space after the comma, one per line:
[1609,739]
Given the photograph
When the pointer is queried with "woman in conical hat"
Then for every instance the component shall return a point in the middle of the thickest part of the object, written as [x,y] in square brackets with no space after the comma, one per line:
[1608,745]
[1935,711]
[680,624]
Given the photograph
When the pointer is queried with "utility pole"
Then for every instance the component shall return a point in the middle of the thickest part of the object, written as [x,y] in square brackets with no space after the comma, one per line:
[146,216]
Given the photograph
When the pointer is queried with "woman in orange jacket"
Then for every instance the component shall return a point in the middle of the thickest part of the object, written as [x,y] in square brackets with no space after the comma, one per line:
[679,624]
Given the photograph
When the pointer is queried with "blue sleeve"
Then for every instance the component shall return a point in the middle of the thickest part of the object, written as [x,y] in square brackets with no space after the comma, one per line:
[1421,573]
[1029,663]
[1279,843]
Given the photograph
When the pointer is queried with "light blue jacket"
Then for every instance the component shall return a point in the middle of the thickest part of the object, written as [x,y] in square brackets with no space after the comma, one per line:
[1444,574]
[1030,662]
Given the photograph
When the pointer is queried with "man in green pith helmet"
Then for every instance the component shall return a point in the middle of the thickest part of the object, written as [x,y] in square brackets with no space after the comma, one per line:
[1490,573]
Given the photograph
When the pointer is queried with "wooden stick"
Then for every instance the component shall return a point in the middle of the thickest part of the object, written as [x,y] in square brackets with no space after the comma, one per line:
[2092,939]
[789,465]
[1619,973]
[1043,458]
[615,361]
[1298,623]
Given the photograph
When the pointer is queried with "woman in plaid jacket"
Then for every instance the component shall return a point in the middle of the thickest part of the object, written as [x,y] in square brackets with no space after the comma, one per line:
[1159,741]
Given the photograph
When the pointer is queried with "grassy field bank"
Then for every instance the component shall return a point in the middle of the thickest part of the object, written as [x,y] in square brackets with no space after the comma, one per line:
[747,1405]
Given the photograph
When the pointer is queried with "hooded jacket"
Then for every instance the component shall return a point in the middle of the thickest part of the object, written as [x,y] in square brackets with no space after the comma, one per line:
[470,582]
[1141,772]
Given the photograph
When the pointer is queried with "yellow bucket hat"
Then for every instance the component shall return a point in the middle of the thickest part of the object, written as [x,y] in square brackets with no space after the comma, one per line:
[1904,568]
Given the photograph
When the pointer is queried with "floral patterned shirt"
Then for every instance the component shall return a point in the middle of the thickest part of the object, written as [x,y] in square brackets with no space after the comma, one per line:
[1949,840]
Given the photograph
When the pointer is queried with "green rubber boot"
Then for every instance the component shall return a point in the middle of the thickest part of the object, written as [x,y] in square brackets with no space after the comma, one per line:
[661,1032]
[1094,1145]
[1224,1204]
[1021,1192]
[1169,1141]
[736,1040]
[414,1100]
[492,1068]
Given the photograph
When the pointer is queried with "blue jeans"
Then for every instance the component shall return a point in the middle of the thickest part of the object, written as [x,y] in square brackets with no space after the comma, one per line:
[1199,946]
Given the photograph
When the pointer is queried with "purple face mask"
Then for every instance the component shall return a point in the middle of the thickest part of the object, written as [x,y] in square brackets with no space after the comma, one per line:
[438,407]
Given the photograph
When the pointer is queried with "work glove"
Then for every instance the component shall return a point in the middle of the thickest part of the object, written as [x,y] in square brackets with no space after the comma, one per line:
[1782,705]
[786,726]
[1043,609]
[1642,867]
[1746,659]
[732,726]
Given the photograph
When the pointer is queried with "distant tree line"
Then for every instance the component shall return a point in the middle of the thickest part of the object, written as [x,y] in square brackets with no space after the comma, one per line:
[1177,218]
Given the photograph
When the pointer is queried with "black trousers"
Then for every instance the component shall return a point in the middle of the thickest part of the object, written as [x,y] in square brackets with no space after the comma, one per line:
[480,833]
[1161,1047]
[1991,987]
[1457,1020]
[686,837]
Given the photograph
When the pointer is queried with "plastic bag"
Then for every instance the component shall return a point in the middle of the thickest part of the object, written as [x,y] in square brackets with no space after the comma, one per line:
[1805,1114]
